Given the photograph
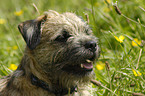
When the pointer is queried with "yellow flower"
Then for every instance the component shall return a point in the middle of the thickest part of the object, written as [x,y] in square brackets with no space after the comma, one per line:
[106,9]
[100,65]
[2,21]
[120,39]
[18,13]
[13,67]
[8,49]
[15,47]
[136,72]
[97,4]
[136,43]
[108,1]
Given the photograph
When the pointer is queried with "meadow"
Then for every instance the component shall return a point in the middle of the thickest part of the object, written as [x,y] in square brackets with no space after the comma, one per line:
[120,27]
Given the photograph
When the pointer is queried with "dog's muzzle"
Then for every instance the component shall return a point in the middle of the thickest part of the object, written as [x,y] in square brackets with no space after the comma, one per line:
[83,63]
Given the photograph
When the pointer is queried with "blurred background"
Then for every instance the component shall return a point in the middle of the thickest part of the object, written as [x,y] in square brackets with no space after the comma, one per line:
[119,25]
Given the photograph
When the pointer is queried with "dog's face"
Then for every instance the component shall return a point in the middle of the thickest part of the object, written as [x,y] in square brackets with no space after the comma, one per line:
[61,43]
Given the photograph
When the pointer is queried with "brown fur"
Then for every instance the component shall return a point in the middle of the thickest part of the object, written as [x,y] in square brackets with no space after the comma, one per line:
[47,60]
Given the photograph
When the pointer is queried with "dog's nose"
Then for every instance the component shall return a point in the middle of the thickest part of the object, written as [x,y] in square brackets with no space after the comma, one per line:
[91,45]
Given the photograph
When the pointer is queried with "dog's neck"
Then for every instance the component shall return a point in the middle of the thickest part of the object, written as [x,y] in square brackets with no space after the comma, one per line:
[59,92]
[46,83]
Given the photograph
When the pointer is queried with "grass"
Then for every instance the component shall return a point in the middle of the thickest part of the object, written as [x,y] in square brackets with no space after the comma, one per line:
[124,74]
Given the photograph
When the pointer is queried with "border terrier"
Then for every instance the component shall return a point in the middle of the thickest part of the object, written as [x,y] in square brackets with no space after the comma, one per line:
[58,59]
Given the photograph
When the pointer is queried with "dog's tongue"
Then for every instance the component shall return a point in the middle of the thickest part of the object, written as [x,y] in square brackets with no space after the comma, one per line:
[88,65]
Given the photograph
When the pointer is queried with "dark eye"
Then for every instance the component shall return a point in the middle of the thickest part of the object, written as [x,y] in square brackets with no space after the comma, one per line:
[88,31]
[63,38]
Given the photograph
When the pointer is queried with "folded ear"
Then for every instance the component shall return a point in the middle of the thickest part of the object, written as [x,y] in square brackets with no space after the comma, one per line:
[31,30]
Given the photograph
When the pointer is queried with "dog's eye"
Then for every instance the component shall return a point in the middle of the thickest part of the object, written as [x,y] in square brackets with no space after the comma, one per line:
[63,38]
[88,31]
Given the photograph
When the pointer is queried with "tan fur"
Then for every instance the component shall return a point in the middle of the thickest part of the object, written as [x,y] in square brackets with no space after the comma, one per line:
[47,59]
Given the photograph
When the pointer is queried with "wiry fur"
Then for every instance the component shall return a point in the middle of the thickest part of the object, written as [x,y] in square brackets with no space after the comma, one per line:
[48,59]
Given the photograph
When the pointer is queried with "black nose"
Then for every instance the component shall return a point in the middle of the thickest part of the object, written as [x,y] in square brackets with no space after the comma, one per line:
[91,45]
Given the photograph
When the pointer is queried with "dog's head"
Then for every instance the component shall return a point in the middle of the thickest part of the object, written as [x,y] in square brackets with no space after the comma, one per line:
[61,43]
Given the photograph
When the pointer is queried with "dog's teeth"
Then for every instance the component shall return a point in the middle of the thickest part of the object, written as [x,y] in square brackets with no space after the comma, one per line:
[82,66]
[88,61]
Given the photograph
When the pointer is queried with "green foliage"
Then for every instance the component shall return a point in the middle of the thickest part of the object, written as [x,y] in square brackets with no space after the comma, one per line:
[106,23]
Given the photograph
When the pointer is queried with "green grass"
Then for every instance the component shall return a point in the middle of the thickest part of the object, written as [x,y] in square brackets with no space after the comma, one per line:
[106,23]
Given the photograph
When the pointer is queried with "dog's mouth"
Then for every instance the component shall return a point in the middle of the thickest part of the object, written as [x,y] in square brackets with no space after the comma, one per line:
[83,64]
[87,65]
[80,68]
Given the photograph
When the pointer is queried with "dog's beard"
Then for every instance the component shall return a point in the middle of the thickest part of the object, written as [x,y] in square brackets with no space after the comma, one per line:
[70,75]
[76,62]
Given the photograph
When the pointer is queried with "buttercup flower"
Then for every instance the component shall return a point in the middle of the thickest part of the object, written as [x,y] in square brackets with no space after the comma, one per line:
[97,4]
[120,39]
[2,21]
[136,72]
[136,43]
[100,65]
[13,67]
[8,49]
[109,1]
[18,13]
[15,47]
[106,9]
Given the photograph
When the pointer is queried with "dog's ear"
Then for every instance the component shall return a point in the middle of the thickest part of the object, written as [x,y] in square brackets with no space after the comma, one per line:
[31,30]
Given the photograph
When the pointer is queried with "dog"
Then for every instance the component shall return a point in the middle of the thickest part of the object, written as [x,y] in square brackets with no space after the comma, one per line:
[58,58]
